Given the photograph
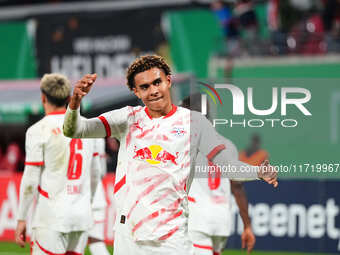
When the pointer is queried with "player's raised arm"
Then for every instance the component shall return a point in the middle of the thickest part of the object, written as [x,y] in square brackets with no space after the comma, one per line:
[74,125]
[81,89]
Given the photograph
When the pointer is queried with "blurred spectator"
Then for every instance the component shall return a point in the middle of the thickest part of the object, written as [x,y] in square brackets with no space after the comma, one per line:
[307,36]
[229,25]
[11,159]
[253,154]
[296,27]
[244,11]
[331,20]
[277,37]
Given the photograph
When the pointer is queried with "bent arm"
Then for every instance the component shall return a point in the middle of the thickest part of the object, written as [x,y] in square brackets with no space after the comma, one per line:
[77,127]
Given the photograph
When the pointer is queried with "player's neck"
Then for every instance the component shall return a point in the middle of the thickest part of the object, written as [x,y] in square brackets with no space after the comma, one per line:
[157,114]
[53,109]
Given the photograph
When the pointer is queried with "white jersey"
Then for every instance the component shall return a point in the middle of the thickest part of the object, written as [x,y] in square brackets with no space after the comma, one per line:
[64,198]
[154,164]
[153,170]
[210,198]
[99,200]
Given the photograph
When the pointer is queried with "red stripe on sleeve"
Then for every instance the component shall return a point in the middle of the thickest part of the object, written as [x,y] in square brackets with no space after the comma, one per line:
[120,184]
[40,163]
[106,125]
[206,247]
[43,192]
[215,151]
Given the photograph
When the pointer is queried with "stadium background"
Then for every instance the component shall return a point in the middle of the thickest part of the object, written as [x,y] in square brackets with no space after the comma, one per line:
[302,215]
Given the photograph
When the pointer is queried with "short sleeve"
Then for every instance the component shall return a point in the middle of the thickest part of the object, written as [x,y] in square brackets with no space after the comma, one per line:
[34,147]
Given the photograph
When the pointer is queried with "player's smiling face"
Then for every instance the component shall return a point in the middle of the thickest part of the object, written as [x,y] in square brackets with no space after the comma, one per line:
[153,88]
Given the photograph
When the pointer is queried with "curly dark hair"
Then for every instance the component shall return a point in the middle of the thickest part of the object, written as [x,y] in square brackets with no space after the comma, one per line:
[145,63]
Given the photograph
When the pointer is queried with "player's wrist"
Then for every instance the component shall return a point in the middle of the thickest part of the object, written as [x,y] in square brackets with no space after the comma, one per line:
[247,227]
[74,103]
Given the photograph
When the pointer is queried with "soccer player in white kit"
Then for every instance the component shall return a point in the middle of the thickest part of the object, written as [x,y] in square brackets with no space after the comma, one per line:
[61,175]
[96,242]
[153,173]
[210,209]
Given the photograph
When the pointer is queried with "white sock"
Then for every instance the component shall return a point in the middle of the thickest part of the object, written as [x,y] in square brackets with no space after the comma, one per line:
[98,248]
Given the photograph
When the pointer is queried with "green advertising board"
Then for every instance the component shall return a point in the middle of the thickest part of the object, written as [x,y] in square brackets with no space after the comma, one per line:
[17,51]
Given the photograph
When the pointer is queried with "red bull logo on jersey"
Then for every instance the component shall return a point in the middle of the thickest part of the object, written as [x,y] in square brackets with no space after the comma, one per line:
[155,154]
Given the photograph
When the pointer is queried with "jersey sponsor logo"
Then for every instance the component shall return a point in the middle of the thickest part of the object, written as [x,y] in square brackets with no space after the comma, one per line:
[178,131]
[155,154]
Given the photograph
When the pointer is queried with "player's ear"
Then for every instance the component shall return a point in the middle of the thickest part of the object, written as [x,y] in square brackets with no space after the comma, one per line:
[43,98]
[136,92]
[168,80]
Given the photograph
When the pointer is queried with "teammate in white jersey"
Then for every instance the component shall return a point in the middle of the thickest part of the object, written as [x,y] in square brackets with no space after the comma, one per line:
[210,202]
[157,145]
[210,209]
[96,234]
[60,174]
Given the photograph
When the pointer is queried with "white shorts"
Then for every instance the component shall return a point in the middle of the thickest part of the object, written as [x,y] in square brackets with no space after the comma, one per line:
[97,231]
[46,241]
[205,244]
[177,244]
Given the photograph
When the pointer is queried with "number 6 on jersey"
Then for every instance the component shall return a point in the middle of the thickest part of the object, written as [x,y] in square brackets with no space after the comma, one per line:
[76,160]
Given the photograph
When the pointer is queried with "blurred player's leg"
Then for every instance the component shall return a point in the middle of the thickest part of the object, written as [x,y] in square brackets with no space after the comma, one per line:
[96,238]
[77,242]
[203,243]
[96,234]
[47,241]
[219,242]
[98,248]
